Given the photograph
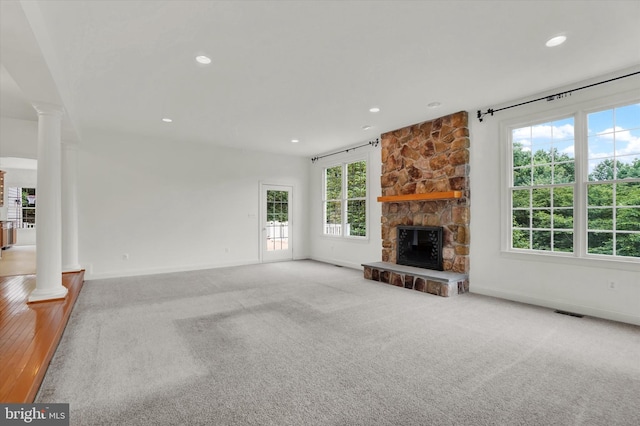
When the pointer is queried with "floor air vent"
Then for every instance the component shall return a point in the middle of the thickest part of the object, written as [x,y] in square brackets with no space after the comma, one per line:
[571,314]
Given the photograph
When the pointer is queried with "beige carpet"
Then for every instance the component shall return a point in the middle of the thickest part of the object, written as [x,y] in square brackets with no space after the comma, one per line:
[18,260]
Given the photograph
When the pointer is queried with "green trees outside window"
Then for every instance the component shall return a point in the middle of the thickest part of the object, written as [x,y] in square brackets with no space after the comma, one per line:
[357,199]
[277,206]
[333,201]
[542,192]
[345,199]
[544,203]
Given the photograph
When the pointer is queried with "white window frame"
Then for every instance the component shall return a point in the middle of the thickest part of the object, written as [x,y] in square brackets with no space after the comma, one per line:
[343,200]
[580,255]
[15,210]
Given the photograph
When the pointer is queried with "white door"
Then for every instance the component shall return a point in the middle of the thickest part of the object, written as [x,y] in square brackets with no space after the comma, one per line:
[276,230]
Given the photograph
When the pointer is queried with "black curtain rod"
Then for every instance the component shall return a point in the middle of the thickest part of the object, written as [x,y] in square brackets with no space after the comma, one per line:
[551,97]
[370,143]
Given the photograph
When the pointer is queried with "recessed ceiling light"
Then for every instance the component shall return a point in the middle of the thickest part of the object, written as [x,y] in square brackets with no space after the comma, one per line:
[205,60]
[374,109]
[556,41]
[167,120]
[434,104]
[295,140]
[367,127]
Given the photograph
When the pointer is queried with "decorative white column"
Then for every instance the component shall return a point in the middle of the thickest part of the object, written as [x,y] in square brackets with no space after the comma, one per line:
[48,204]
[70,208]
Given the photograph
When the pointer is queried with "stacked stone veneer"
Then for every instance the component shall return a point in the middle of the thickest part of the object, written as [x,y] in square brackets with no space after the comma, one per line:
[423,158]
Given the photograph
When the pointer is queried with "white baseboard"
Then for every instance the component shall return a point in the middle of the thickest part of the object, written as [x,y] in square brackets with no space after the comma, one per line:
[89,275]
[166,270]
[556,304]
[338,262]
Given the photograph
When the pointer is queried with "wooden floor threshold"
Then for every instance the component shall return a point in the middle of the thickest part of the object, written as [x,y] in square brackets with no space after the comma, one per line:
[30,333]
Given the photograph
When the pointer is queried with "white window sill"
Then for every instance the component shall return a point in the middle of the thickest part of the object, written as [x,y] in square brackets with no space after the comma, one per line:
[346,238]
[593,262]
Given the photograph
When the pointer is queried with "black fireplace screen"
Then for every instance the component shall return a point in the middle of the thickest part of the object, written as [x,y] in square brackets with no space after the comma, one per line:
[420,246]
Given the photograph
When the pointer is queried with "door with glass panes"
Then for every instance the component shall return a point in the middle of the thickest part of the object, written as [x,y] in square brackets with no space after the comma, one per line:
[276,230]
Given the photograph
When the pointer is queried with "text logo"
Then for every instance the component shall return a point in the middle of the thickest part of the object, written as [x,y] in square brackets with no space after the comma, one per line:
[35,414]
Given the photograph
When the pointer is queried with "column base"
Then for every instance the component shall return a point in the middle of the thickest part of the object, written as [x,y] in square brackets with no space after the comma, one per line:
[71,268]
[39,295]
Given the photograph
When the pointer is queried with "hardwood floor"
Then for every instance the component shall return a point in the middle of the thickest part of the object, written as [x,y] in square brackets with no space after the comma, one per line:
[29,333]
[18,260]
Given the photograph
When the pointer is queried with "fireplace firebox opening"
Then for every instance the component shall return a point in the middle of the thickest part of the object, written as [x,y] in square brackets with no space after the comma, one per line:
[420,246]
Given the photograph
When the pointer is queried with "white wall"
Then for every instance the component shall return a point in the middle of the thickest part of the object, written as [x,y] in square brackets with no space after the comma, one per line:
[346,251]
[177,206]
[578,285]
[18,138]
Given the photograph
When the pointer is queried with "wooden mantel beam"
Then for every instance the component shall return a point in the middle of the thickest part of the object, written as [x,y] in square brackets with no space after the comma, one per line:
[421,197]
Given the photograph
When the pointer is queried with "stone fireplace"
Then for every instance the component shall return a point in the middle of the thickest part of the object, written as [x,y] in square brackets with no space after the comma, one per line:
[425,183]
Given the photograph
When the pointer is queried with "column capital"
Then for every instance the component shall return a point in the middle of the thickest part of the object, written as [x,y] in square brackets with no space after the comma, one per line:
[45,108]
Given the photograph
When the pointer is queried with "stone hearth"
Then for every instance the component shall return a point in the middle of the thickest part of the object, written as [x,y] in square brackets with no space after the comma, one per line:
[424,280]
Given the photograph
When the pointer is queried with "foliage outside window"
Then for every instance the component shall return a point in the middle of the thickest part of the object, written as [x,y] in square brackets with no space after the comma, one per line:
[542,192]
[345,199]
[277,226]
[277,206]
[22,207]
[546,190]
[613,188]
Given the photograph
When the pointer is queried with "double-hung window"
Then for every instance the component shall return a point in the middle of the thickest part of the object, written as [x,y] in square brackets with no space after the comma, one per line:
[613,182]
[542,193]
[345,199]
[574,184]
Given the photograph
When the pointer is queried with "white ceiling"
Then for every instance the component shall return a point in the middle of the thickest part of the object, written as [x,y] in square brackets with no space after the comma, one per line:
[308,70]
